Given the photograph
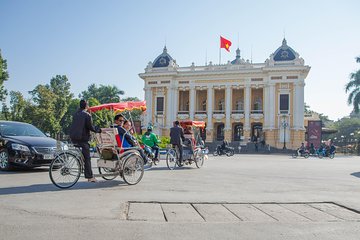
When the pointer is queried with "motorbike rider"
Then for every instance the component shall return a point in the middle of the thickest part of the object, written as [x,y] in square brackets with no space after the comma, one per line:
[332,148]
[223,147]
[150,139]
[301,149]
[312,148]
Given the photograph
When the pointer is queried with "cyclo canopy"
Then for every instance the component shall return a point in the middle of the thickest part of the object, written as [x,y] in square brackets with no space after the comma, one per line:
[120,107]
[197,124]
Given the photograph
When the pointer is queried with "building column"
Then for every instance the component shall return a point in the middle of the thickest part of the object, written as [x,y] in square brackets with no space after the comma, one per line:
[192,99]
[272,110]
[298,105]
[209,106]
[149,113]
[247,98]
[169,106]
[228,113]
[176,103]
[266,110]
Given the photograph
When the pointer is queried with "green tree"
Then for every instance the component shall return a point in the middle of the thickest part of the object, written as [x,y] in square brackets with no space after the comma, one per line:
[345,127]
[103,118]
[51,102]
[5,113]
[130,99]
[67,119]
[17,106]
[43,115]
[104,94]
[353,87]
[4,76]
[60,86]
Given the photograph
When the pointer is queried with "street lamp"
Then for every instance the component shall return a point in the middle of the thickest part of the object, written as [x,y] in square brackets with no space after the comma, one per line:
[344,140]
[284,124]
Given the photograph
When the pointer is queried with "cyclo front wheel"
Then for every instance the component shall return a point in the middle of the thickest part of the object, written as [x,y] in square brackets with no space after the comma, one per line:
[199,158]
[133,169]
[65,170]
[171,159]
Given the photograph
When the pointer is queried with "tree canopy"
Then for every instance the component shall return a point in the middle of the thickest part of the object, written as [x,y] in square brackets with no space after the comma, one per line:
[353,88]
[4,76]
[104,93]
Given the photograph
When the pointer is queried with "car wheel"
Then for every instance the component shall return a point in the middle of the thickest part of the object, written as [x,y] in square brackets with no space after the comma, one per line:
[4,160]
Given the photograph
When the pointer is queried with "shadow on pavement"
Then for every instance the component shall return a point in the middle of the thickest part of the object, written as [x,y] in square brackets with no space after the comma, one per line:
[23,170]
[356,174]
[49,187]
[166,168]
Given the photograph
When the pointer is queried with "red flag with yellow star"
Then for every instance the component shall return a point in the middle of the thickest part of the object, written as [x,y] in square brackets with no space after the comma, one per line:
[224,43]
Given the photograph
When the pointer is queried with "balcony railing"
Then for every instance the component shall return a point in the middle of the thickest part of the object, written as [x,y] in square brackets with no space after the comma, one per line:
[159,112]
[200,112]
[256,111]
[183,112]
[284,111]
[237,111]
[219,112]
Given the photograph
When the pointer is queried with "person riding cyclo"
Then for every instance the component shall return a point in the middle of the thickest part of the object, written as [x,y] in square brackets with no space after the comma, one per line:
[150,139]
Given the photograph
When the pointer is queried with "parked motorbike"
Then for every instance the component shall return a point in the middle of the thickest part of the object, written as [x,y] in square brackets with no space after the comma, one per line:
[228,151]
[304,153]
[325,153]
[150,155]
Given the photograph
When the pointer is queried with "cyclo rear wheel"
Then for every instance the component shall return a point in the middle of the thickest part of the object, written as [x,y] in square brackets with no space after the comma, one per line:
[171,158]
[133,169]
[65,170]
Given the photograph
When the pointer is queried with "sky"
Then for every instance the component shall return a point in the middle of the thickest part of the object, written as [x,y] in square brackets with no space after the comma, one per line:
[110,42]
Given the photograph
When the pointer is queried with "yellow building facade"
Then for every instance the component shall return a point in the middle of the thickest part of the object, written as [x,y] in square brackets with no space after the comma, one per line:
[239,100]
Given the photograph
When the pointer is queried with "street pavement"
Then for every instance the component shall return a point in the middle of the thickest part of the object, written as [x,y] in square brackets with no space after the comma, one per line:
[239,197]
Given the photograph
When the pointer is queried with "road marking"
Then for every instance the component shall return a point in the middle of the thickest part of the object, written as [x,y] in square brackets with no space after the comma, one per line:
[240,212]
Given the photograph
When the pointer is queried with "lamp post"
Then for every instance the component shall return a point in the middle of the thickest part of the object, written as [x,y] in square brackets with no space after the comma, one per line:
[344,143]
[284,125]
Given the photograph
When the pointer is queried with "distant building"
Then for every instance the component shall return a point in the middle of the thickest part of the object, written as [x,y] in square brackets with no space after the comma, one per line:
[239,101]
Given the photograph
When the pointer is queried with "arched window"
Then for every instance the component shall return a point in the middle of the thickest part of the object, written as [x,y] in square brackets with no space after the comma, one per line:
[238,132]
[239,105]
[258,104]
[220,132]
[221,105]
[204,105]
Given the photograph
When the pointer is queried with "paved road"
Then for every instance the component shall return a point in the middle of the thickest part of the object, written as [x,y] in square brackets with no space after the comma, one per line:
[243,197]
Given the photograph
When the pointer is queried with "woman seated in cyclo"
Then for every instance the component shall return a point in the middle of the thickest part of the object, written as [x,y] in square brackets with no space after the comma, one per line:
[188,134]
[127,141]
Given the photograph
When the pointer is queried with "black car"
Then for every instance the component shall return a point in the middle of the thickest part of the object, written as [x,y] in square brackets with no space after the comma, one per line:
[23,145]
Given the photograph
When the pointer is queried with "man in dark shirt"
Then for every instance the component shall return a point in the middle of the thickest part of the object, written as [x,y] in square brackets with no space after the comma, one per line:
[177,137]
[80,135]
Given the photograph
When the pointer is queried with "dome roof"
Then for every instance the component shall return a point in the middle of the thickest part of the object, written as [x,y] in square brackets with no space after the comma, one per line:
[284,53]
[237,60]
[163,60]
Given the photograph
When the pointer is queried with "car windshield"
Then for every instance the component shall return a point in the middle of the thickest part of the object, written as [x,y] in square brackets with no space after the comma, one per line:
[19,129]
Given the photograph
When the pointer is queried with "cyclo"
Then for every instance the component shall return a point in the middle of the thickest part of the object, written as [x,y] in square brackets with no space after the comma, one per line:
[194,150]
[68,165]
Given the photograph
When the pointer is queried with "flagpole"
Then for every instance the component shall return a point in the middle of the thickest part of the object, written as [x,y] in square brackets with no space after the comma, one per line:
[219,56]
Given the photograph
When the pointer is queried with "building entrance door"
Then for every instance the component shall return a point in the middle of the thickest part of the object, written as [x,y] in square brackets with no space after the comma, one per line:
[219,131]
[256,132]
[238,132]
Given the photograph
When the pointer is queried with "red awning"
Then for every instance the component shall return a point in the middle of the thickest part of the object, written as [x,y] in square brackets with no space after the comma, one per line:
[121,106]
[200,124]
